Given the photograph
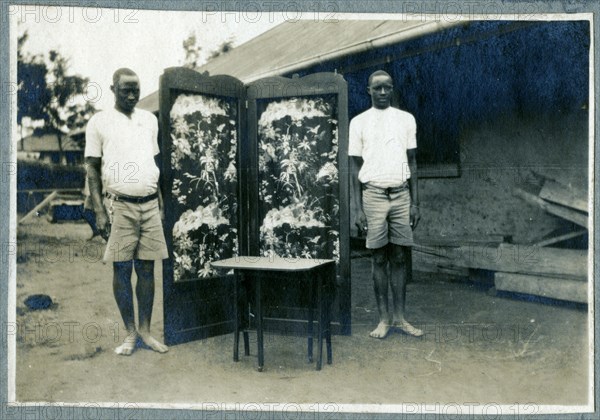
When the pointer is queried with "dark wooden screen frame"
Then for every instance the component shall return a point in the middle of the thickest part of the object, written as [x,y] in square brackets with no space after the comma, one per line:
[317,84]
[192,302]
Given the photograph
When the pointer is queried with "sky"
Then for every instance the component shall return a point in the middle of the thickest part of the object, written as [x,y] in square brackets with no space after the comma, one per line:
[98,41]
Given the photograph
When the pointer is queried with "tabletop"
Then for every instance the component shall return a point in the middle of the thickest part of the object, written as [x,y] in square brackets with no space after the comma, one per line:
[270,263]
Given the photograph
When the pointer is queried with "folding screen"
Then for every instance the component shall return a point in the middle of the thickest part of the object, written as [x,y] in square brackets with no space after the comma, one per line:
[250,170]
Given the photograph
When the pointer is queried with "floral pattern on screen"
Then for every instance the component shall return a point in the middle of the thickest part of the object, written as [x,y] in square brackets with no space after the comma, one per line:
[204,169]
[298,178]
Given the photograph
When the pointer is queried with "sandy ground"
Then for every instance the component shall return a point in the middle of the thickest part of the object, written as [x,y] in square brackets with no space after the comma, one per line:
[478,348]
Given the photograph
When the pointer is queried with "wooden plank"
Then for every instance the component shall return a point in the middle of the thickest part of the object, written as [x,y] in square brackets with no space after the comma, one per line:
[423,262]
[558,236]
[548,287]
[561,194]
[513,258]
[566,213]
[461,240]
[48,190]
[438,170]
[432,264]
[40,206]
[66,202]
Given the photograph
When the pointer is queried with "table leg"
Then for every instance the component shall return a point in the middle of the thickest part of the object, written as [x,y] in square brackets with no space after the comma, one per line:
[328,302]
[245,313]
[259,322]
[236,319]
[311,315]
[246,344]
[320,304]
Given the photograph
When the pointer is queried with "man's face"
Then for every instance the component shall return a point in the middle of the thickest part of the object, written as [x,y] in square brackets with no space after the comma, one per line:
[380,90]
[127,93]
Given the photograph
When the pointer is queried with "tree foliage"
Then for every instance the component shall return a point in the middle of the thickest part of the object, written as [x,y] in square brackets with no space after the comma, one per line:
[194,58]
[192,52]
[224,48]
[33,94]
[47,92]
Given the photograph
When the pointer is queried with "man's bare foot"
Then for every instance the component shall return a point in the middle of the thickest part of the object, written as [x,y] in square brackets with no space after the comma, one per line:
[128,346]
[381,330]
[407,328]
[153,343]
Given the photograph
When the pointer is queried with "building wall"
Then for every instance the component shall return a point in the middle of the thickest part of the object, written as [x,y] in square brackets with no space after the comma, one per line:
[497,157]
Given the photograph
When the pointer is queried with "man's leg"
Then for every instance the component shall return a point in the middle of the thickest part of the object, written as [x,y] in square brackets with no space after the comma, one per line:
[144,291]
[400,273]
[124,296]
[380,286]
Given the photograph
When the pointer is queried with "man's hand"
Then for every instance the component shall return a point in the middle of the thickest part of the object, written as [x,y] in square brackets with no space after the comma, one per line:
[103,225]
[361,223]
[92,167]
[415,216]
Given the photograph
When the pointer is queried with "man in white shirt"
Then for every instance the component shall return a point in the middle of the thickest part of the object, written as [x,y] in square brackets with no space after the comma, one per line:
[121,155]
[383,147]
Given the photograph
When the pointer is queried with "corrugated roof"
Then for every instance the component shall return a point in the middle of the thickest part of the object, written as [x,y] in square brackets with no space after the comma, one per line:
[292,46]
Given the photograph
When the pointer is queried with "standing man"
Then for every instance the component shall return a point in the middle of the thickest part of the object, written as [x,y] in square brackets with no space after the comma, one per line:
[383,147]
[121,155]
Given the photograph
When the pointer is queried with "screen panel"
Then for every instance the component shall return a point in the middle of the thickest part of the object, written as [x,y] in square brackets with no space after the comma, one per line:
[201,123]
[298,177]
[204,162]
[299,194]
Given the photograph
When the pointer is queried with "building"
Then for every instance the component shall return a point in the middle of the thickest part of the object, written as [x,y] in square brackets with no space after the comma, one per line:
[53,146]
[526,82]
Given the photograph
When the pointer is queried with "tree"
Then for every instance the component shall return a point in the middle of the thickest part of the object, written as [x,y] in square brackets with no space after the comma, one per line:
[46,92]
[32,95]
[222,49]
[64,109]
[193,51]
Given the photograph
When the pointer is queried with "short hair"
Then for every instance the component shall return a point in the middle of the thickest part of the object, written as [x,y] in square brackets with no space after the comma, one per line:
[378,73]
[124,71]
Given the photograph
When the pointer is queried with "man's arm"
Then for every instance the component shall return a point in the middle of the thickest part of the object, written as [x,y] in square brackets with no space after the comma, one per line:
[360,219]
[93,171]
[415,213]
[161,203]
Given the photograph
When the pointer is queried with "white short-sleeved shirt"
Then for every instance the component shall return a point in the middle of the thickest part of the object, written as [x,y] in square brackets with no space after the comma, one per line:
[127,147]
[382,137]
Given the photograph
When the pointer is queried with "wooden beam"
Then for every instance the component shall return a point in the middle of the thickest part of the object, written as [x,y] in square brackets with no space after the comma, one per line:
[513,258]
[566,213]
[438,170]
[461,240]
[558,236]
[431,264]
[40,206]
[548,287]
[48,190]
[560,194]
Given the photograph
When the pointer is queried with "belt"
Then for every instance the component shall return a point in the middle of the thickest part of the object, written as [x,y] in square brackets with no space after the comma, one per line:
[387,191]
[130,199]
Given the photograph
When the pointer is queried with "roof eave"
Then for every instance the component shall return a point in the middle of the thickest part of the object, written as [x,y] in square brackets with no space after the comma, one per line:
[360,47]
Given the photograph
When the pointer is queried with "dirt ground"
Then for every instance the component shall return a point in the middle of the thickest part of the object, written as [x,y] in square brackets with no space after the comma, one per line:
[478,348]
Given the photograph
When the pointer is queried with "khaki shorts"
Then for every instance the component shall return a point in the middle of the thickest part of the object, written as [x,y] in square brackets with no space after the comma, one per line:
[136,231]
[388,217]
